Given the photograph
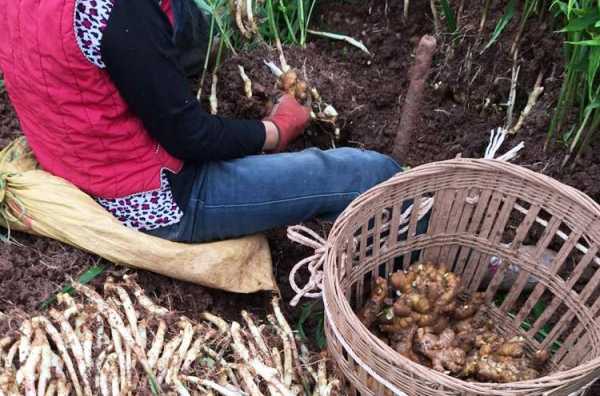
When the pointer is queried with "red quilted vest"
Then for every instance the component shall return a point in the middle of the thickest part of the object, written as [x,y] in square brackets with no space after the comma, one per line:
[75,121]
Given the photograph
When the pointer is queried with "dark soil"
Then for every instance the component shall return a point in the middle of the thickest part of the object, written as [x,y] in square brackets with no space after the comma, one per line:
[463,102]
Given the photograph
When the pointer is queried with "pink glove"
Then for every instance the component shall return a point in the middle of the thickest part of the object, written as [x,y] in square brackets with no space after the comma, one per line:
[290,118]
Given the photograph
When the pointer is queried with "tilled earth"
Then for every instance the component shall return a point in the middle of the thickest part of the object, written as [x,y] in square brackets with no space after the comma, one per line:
[462,104]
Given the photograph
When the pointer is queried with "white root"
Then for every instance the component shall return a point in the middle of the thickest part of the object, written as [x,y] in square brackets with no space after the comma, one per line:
[26,331]
[157,344]
[219,359]
[192,354]
[284,65]
[180,388]
[322,377]
[114,376]
[212,100]
[218,322]
[115,321]
[105,372]
[257,335]
[304,358]
[76,348]
[247,82]
[143,333]
[222,390]
[63,388]
[69,302]
[26,374]
[163,363]
[87,344]
[531,102]
[99,365]
[118,345]
[277,72]
[289,335]
[60,345]
[237,4]
[269,374]
[127,305]
[250,17]
[101,337]
[288,369]
[57,365]
[10,355]
[51,390]
[128,370]
[186,341]
[248,381]
[144,300]
[276,357]
[45,365]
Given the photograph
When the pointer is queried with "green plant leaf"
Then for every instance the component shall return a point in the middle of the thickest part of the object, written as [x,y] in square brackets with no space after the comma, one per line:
[449,14]
[583,22]
[90,274]
[502,23]
[304,315]
[590,43]
[320,333]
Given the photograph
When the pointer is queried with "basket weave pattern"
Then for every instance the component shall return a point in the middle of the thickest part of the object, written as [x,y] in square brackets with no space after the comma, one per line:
[481,208]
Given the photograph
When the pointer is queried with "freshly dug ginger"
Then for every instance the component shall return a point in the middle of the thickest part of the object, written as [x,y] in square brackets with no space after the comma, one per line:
[439,348]
[374,305]
[428,324]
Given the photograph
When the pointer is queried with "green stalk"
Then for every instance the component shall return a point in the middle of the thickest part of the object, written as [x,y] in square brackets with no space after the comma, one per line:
[588,136]
[288,23]
[301,22]
[567,94]
[208,52]
[271,20]
[218,59]
[307,21]
[211,7]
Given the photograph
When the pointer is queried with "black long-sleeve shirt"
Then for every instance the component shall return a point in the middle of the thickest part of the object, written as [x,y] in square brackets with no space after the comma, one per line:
[148,60]
[144,63]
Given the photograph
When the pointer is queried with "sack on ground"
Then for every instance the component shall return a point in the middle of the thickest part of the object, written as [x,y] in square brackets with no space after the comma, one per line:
[36,202]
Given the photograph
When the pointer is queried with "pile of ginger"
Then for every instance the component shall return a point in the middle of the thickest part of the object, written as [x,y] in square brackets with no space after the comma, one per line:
[427,323]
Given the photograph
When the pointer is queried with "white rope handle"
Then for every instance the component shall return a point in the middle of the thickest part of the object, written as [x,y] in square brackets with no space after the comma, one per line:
[313,288]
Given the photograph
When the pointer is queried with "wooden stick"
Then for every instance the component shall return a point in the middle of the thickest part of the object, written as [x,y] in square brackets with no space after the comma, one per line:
[414,97]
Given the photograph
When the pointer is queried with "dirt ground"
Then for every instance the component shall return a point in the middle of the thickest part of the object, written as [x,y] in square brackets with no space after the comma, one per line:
[462,104]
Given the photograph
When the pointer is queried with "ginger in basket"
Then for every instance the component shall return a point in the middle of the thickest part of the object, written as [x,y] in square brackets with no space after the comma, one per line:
[426,322]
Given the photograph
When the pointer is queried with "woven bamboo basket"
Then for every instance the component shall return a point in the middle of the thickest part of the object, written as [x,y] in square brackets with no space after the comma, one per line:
[480,209]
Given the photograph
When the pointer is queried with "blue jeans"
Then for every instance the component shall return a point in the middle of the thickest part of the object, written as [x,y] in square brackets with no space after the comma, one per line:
[261,192]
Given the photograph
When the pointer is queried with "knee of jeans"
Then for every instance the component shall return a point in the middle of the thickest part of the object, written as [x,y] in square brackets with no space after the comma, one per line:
[379,166]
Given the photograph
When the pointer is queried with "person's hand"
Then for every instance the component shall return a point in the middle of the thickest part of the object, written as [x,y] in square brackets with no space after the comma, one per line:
[290,118]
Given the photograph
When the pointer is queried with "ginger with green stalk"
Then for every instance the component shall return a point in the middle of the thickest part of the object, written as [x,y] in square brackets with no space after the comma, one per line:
[120,342]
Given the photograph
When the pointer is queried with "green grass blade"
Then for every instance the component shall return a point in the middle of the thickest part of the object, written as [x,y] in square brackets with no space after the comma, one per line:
[502,23]
[449,15]
[586,20]
[90,274]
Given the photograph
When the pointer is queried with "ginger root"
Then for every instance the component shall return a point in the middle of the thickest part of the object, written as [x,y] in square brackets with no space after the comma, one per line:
[430,324]
[439,349]
[372,308]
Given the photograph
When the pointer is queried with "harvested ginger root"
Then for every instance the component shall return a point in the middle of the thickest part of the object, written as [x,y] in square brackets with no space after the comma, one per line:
[427,323]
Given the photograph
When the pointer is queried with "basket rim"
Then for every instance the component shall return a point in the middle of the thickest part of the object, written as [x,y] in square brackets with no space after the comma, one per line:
[332,289]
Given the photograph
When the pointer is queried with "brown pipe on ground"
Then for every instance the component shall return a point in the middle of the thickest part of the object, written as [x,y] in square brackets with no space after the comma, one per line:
[414,97]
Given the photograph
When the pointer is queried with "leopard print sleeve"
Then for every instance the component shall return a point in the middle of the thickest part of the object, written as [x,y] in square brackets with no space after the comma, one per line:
[90,20]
